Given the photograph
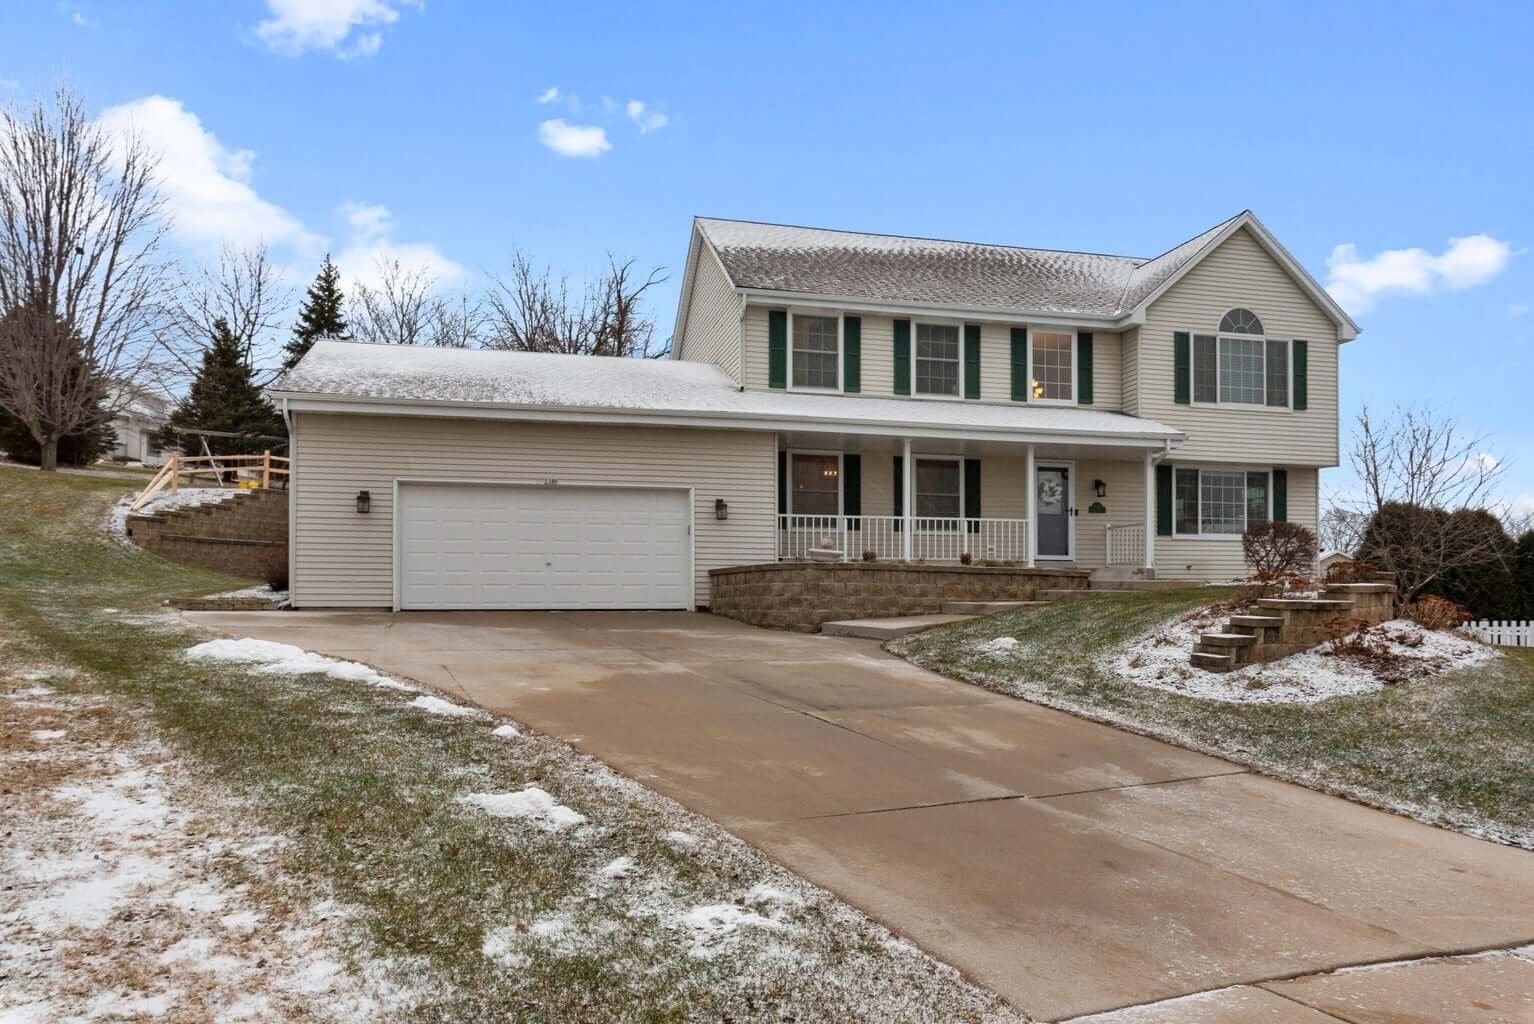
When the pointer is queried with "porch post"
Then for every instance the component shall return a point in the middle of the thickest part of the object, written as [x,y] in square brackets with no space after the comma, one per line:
[1150,511]
[1031,488]
[908,483]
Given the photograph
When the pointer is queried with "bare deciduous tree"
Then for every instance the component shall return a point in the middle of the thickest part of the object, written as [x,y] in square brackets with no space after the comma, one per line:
[1422,477]
[528,311]
[1342,529]
[456,324]
[395,311]
[80,226]
[246,292]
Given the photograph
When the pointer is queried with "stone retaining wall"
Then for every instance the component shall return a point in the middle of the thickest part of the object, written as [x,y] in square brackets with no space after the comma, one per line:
[1294,624]
[245,535]
[801,595]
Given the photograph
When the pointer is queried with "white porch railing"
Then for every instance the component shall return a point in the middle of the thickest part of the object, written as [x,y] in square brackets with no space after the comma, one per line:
[1125,544]
[849,538]
[1502,634]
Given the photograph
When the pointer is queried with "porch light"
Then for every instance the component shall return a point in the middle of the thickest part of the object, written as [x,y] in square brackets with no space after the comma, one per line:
[1100,488]
[721,509]
[830,472]
[364,502]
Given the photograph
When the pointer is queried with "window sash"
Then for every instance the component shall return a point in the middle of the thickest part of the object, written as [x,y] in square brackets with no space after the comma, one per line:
[939,489]
[816,352]
[1052,364]
[1219,502]
[1278,374]
[815,486]
[1241,370]
[939,351]
[1242,374]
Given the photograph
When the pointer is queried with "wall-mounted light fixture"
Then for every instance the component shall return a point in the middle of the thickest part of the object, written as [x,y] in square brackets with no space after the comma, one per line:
[1100,488]
[721,509]
[364,502]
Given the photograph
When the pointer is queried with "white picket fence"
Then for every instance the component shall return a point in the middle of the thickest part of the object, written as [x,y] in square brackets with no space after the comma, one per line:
[1503,634]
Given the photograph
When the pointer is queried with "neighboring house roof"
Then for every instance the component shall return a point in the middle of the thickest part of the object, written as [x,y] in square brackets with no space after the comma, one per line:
[441,381]
[138,402]
[894,269]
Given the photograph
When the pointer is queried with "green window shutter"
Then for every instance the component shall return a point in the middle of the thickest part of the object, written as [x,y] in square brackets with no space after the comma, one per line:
[1301,366]
[902,357]
[971,360]
[1084,367]
[1163,501]
[1280,495]
[1182,390]
[782,483]
[852,355]
[777,348]
[972,493]
[1019,364]
[852,485]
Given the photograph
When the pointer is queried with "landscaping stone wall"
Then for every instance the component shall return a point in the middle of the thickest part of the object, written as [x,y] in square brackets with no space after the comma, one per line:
[245,535]
[801,595]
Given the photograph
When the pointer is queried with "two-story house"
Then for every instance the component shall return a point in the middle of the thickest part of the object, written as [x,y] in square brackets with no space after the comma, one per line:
[832,395]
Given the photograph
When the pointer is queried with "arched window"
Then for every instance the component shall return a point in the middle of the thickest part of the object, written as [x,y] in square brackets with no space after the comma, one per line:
[1241,321]
[1240,365]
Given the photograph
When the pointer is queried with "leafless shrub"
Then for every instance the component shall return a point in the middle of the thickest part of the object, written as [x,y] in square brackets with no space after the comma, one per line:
[1279,547]
[1434,612]
[1352,571]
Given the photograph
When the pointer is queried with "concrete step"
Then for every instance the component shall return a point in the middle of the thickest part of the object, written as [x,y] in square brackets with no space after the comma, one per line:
[1226,639]
[1258,621]
[1113,584]
[888,629]
[987,607]
[1317,604]
[1069,595]
[1213,662]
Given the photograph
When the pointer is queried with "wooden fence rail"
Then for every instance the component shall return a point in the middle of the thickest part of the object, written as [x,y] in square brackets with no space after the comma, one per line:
[245,470]
[1502,634]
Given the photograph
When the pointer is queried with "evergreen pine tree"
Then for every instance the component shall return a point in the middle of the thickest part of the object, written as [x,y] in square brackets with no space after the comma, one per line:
[322,315]
[224,397]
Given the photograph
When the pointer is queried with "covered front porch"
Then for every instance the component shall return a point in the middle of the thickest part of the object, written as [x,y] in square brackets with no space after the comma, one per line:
[1044,503]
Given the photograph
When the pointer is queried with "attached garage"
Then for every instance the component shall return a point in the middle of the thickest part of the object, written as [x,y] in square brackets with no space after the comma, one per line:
[472,545]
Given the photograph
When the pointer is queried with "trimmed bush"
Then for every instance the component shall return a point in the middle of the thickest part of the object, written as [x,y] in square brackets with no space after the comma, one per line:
[1275,548]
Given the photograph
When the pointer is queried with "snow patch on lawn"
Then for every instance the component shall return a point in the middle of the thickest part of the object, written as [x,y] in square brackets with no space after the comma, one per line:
[1160,660]
[270,657]
[264,592]
[531,803]
[507,732]
[44,735]
[997,645]
[438,706]
[686,840]
[621,867]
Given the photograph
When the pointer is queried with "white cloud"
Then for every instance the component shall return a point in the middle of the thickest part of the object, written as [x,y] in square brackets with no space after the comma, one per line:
[549,95]
[81,21]
[296,26]
[1356,283]
[647,120]
[207,185]
[372,244]
[573,139]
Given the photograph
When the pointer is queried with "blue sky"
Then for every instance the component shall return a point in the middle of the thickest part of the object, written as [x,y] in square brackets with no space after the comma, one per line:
[368,126]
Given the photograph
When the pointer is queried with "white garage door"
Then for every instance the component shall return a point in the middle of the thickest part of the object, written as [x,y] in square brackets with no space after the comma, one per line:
[486,546]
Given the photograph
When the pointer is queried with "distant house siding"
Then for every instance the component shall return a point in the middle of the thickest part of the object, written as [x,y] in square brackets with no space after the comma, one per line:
[712,334]
[1241,273]
[343,559]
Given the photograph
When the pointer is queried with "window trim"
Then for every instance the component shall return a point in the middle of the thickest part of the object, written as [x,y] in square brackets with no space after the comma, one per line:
[1220,337]
[1198,517]
[841,351]
[963,345]
[1033,333]
[915,470]
[841,478]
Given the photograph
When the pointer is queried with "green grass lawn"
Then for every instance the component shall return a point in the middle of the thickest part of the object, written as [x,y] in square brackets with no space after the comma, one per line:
[1455,749]
[365,790]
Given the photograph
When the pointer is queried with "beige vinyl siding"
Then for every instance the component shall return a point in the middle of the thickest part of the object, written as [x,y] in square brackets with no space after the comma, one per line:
[713,317]
[1241,273]
[1219,559]
[343,559]
[1130,364]
[754,370]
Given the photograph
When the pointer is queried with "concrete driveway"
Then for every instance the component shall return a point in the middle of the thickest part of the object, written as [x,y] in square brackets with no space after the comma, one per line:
[1069,866]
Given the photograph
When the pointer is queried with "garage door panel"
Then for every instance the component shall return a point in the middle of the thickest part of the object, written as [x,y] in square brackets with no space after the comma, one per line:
[471,546]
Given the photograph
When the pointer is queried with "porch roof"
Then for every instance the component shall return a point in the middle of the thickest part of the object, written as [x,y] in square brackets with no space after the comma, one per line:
[406,380]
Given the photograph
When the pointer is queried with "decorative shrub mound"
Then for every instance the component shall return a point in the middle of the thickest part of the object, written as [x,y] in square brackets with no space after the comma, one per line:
[1352,572]
[1434,612]
[1279,548]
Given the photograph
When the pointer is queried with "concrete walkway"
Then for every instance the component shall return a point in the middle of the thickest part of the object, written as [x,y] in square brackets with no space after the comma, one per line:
[1069,866]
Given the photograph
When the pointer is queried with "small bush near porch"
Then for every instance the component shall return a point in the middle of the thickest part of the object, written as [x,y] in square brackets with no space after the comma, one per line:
[1455,749]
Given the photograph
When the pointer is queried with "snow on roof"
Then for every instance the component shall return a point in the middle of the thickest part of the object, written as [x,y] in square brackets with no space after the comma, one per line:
[341,371]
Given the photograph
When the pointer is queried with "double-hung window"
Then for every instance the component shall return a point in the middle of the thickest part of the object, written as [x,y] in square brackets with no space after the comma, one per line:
[939,489]
[1240,365]
[938,355]
[1220,502]
[816,352]
[1052,360]
[815,484]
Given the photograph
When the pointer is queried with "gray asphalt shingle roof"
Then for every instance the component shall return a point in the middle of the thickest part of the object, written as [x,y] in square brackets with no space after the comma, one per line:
[894,268]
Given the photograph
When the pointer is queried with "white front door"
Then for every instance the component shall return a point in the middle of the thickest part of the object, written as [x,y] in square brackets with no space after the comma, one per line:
[1053,504]
[487,546]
